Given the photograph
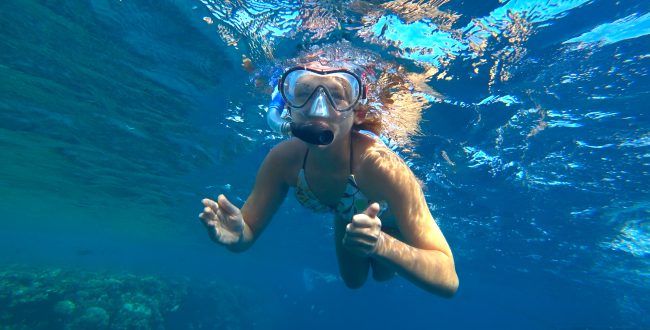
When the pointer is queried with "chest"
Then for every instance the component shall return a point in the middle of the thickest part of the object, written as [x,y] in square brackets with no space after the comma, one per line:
[327,188]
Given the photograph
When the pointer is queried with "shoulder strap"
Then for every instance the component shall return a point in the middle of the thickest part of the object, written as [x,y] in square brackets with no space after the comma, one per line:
[351,153]
[304,160]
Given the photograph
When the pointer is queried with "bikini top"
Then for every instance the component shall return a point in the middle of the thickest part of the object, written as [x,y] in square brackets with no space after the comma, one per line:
[352,202]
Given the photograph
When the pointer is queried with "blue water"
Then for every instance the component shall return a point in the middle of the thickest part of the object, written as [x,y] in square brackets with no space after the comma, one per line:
[117,117]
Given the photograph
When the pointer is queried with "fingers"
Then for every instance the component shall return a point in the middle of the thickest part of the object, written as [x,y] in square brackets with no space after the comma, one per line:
[207,217]
[368,218]
[363,229]
[209,220]
[226,206]
[209,213]
[372,210]
[222,203]
[359,240]
[359,245]
[211,204]
[358,237]
[364,235]
[364,221]
[221,213]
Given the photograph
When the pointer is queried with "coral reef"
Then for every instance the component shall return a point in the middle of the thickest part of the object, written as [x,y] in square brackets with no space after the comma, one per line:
[54,298]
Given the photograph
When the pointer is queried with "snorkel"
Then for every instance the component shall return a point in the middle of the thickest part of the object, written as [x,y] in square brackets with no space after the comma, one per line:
[274,115]
[311,132]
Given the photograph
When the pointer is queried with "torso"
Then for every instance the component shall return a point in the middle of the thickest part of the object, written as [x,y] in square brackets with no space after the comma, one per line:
[329,187]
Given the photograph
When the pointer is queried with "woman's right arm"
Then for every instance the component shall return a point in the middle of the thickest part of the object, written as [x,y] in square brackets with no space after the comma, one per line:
[269,191]
[238,229]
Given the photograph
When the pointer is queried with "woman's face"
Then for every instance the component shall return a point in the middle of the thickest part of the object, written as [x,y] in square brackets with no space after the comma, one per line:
[319,106]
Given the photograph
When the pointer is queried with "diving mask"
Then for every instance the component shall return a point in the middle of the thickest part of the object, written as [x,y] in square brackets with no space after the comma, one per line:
[341,88]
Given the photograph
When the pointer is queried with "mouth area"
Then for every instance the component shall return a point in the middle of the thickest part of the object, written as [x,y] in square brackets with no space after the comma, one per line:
[313,132]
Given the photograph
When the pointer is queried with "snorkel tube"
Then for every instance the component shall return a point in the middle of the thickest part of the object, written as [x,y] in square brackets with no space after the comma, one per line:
[274,117]
[313,133]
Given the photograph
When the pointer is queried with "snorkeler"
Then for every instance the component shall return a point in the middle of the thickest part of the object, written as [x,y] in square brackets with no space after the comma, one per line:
[382,221]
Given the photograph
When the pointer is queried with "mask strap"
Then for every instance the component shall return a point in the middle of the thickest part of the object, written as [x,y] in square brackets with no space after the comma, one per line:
[364,91]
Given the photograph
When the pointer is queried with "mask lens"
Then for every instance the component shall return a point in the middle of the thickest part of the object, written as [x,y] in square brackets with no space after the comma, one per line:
[341,88]
[344,89]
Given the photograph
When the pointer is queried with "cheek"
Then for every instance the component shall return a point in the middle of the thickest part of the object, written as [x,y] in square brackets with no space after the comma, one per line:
[351,116]
[347,123]
[296,115]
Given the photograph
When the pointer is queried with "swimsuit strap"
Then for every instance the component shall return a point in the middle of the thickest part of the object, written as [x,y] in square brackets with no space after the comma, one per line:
[351,153]
[304,160]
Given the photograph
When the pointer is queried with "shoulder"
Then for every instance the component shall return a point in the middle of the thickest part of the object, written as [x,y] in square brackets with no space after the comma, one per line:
[285,159]
[288,149]
[376,159]
[379,170]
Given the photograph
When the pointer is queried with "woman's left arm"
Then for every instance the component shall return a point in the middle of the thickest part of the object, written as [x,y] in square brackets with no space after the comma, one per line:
[424,257]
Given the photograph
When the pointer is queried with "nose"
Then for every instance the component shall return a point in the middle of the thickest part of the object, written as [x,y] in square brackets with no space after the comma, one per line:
[319,106]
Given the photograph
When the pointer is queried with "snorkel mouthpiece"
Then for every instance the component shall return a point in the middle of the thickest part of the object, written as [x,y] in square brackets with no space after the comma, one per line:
[313,133]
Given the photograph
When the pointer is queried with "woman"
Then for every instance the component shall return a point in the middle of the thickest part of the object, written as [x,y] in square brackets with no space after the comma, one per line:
[382,220]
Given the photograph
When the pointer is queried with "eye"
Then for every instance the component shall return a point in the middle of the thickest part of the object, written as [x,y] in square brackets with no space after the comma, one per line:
[336,90]
[343,104]
[301,90]
[337,94]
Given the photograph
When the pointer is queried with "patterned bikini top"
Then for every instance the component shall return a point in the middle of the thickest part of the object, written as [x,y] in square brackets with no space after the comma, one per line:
[352,202]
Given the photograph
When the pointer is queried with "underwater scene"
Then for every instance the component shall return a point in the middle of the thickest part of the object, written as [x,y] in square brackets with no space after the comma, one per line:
[526,123]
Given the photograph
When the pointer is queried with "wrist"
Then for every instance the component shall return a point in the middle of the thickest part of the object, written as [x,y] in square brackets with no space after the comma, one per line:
[242,243]
[244,235]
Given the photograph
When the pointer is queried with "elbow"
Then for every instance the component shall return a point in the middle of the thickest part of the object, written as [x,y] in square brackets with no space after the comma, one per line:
[447,285]
[452,282]
[445,288]
[448,282]
[450,289]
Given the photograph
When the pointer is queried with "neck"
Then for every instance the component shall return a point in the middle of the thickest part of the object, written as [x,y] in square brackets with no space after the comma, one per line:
[335,156]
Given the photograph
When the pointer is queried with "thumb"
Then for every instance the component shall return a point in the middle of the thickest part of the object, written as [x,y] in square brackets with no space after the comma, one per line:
[372,210]
[226,206]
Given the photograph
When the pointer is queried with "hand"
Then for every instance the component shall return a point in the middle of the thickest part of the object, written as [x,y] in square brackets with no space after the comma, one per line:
[223,220]
[363,234]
